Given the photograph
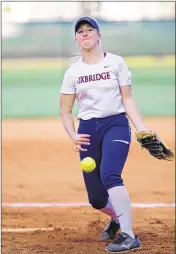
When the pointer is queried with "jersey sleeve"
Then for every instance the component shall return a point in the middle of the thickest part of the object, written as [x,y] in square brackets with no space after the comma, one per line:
[68,84]
[124,75]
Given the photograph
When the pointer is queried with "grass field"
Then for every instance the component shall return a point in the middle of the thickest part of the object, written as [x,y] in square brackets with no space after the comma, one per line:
[31,88]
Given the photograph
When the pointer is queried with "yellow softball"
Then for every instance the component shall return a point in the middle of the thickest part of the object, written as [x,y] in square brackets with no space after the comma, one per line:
[88,164]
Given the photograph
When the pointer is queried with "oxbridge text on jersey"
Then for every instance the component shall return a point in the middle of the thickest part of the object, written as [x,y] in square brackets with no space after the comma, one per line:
[94,77]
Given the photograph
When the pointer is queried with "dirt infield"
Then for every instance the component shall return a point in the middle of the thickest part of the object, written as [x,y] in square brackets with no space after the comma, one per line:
[39,165]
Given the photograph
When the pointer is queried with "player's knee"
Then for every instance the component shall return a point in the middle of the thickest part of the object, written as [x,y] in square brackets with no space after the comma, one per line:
[98,203]
[110,181]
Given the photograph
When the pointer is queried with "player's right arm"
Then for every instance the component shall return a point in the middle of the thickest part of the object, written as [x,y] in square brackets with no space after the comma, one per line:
[66,106]
[67,99]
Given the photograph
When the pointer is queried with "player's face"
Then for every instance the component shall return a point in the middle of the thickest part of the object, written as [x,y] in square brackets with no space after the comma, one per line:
[87,37]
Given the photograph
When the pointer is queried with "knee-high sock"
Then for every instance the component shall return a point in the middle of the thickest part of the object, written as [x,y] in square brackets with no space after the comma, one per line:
[121,204]
[108,209]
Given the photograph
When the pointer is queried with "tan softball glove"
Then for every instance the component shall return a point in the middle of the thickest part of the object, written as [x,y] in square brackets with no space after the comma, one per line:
[154,145]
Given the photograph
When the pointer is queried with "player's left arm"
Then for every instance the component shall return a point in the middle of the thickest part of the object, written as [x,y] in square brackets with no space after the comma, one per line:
[145,137]
[125,85]
[131,108]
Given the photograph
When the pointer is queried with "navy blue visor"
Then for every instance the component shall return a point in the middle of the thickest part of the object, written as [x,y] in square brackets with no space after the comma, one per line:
[89,20]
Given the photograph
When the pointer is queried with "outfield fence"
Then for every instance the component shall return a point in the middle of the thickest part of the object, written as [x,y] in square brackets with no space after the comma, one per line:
[56,39]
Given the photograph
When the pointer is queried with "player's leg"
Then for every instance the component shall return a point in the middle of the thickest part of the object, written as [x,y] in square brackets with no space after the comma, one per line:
[115,148]
[97,194]
[92,180]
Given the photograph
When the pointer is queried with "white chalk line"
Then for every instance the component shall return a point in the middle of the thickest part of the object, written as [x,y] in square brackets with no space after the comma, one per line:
[26,230]
[136,205]
[42,205]
[23,230]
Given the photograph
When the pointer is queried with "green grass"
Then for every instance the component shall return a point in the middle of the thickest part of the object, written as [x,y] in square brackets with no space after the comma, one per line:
[154,90]
[31,93]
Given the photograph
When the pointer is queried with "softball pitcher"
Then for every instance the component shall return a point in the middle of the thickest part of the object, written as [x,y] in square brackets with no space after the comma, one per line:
[101,84]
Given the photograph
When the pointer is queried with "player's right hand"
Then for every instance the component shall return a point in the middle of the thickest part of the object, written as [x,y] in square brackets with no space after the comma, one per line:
[81,139]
